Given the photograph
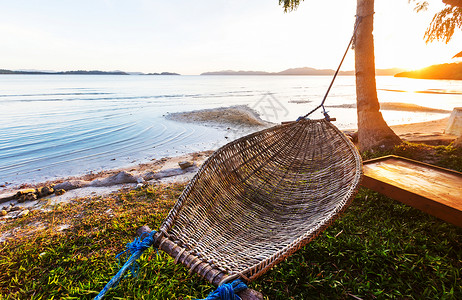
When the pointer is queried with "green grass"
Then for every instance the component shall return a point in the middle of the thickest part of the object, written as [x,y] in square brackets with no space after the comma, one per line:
[443,156]
[379,248]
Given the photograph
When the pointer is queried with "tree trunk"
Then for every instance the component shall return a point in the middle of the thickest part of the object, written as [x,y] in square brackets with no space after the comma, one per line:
[373,131]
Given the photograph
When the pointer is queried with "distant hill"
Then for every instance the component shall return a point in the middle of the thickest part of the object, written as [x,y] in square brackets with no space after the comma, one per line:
[307,71]
[163,73]
[231,72]
[79,72]
[303,71]
[451,71]
[2,71]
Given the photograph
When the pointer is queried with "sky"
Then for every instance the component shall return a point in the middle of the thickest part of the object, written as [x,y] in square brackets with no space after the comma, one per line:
[191,37]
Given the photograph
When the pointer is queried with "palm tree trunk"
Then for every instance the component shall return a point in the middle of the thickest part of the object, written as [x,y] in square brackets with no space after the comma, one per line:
[373,131]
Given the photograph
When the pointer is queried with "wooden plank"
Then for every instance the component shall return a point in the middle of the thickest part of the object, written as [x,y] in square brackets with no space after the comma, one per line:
[436,191]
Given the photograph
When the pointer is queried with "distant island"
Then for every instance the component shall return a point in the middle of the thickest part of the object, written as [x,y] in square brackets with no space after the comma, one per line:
[303,71]
[163,73]
[80,72]
[451,71]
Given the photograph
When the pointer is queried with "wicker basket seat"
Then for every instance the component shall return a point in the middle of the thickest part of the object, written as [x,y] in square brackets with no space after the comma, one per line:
[260,198]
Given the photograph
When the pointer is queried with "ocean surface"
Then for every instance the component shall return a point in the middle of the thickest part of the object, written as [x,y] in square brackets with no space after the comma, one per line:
[55,126]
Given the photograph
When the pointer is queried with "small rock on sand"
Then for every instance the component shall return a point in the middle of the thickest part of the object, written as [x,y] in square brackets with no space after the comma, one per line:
[119,178]
[185,164]
[71,185]
[148,176]
[164,174]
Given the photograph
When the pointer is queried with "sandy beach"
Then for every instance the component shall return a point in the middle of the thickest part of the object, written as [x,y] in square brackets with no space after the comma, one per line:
[431,132]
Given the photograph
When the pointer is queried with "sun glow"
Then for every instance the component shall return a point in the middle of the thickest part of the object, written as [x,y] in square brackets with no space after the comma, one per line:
[413,61]
[399,37]
[185,37]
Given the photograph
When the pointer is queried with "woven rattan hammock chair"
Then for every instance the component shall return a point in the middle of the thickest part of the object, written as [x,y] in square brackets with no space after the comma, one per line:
[259,199]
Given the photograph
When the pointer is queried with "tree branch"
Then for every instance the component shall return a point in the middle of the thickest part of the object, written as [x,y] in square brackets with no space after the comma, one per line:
[289,5]
[444,24]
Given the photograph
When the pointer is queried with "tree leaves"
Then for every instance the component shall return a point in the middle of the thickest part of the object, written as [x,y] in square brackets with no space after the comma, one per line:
[289,5]
[444,24]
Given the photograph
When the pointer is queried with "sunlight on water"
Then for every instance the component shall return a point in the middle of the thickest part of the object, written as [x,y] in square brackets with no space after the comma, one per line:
[54,126]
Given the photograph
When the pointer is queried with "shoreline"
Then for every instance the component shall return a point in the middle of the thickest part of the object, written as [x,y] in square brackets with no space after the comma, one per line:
[166,169]
[414,132]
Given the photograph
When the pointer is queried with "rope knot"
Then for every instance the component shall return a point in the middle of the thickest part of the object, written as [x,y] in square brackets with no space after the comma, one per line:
[228,291]
[136,248]
[140,244]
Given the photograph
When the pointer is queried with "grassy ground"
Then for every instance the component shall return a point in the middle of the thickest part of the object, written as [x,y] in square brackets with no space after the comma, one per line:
[378,249]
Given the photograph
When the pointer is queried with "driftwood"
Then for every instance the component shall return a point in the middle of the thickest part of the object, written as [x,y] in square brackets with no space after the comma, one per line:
[212,275]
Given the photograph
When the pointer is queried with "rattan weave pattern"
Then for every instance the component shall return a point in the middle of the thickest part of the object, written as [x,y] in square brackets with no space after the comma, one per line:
[262,197]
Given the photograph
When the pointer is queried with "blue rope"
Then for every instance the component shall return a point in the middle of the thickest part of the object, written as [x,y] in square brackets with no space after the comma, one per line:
[134,251]
[227,291]
[137,245]
[325,113]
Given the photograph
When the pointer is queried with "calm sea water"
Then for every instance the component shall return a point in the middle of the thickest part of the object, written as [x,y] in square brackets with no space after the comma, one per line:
[54,126]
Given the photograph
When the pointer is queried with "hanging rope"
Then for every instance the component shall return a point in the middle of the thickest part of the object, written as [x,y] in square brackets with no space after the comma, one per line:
[326,115]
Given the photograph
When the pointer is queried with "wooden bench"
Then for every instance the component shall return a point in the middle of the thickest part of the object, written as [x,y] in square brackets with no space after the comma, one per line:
[434,190]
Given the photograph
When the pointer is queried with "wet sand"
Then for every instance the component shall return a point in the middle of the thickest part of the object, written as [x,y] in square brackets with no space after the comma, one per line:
[238,115]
